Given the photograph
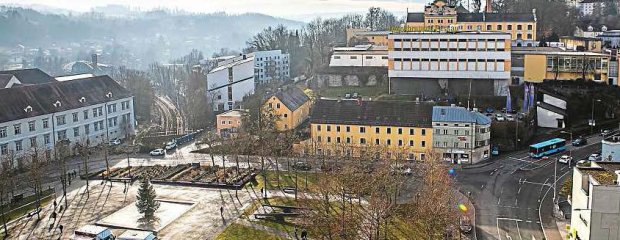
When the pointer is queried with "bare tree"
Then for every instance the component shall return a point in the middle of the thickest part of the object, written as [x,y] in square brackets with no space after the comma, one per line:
[5,182]
[62,153]
[35,173]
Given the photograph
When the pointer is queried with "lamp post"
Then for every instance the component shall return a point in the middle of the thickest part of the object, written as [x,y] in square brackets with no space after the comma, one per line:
[107,137]
[592,123]
[570,151]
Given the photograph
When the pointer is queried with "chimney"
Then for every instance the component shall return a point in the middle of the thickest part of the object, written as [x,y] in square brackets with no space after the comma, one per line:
[94,59]
[489,6]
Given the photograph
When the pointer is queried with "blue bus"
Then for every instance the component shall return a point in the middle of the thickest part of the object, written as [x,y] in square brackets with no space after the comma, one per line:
[548,147]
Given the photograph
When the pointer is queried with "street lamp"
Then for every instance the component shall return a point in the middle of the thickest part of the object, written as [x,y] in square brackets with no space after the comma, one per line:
[592,123]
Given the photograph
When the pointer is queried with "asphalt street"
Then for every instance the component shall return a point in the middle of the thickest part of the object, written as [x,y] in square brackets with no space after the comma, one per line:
[513,195]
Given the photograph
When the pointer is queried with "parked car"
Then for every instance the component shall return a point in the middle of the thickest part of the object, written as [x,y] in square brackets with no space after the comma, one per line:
[171,145]
[580,141]
[158,152]
[510,118]
[115,142]
[520,116]
[565,159]
[605,133]
[301,166]
[355,95]
[490,110]
[347,95]
[499,117]
[595,157]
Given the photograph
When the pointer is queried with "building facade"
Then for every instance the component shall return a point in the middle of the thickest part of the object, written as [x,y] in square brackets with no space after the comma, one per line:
[588,7]
[230,122]
[357,128]
[559,65]
[449,62]
[461,136]
[595,202]
[270,65]
[582,44]
[610,148]
[292,106]
[34,119]
[356,36]
[611,39]
[440,15]
[360,56]
[230,81]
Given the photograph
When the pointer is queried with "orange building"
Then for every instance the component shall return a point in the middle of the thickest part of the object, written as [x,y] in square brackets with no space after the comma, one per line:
[229,122]
[292,106]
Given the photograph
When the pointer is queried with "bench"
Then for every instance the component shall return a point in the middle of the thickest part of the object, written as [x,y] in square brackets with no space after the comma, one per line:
[276,216]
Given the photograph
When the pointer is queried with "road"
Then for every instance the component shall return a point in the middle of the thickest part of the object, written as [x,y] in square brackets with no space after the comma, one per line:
[514,193]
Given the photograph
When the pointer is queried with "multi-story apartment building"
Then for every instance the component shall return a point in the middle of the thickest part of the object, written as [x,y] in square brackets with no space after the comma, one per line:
[441,16]
[588,7]
[291,105]
[562,65]
[36,118]
[595,202]
[230,81]
[270,65]
[448,63]
[356,128]
[359,56]
[460,135]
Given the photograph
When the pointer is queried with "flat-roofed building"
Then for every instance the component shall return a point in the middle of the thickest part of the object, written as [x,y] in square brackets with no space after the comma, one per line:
[564,65]
[357,36]
[360,56]
[230,81]
[436,63]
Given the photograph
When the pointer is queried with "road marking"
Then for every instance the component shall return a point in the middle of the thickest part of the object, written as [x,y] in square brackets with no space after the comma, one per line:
[516,202]
[499,236]
[519,190]
[509,219]
[519,231]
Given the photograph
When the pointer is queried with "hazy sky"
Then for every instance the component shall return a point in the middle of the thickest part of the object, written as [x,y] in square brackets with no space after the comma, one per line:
[294,9]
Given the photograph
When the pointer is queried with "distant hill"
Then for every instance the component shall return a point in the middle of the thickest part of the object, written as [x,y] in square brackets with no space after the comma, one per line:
[157,34]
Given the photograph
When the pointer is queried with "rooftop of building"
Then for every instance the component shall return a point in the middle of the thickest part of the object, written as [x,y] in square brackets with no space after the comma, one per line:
[372,113]
[359,48]
[591,1]
[292,97]
[4,79]
[423,32]
[233,113]
[458,114]
[566,53]
[30,76]
[372,33]
[231,63]
[480,17]
[42,97]
[74,76]
[135,235]
[580,38]
[603,172]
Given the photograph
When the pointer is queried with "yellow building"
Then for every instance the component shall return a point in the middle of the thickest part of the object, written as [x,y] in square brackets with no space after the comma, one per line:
[439,15]
[582,43]
[540,66]
[362,36]
[292,106]
[355,128]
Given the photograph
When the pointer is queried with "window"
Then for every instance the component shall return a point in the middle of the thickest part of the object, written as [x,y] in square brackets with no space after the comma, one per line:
[519,27]
[445,144]
[445,132]
[348,140]
[456,144]
[336,57]
[423,144]
[509,27]
[466,132]
[456,132]
[2,132]
[423,132]
[85,114]
[388,142]
[489,27]
[33,142]
[329,139]
[278,105]
[499,27]
[318,128]
[529,36]
[31,126]
[76,131]
[362,140]
[86,130]
[348,128]
[337,128]
[529,27]
[75,116]
[362,129]
[377,130]
[17,128]
[285,115]
[4,149]
[18,145]
[60,120]
[519,36]
[353,57]
[329,128]
[46,138]
[46,123]
[377,141]
[388,130]
[411,143]
[400,131]
[411,131]
[337,139]
[62,135]
[466,145]
[400,142]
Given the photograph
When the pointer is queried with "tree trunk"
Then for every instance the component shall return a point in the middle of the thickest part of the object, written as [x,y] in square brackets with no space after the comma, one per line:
[278,172]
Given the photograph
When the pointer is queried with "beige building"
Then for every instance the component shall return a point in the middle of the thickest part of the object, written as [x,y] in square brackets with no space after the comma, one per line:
[230,122]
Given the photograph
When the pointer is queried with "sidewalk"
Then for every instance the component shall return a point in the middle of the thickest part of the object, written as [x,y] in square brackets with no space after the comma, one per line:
[563,226]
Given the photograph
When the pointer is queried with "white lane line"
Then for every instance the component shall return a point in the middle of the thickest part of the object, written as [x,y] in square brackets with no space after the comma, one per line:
[519,190]
[519,231]
[499,236]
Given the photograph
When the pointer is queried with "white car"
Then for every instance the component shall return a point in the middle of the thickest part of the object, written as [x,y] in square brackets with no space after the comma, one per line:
[510,118]
[594,157]
[158,152]
[115,142]
[171,145]
[565,159]
[499,117]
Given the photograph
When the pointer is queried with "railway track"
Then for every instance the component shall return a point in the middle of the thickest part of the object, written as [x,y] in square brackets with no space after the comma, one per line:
[171,120]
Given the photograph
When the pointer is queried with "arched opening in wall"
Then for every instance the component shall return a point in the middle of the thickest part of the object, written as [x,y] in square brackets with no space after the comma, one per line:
[519,45]
[529,44]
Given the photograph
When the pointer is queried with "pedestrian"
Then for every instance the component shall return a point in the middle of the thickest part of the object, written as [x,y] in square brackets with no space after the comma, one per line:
[304,234]
[55,204]
[61,227]
[296,233]
[222,210]
[54,215]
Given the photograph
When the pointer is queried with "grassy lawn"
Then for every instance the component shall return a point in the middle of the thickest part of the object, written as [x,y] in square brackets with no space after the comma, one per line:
[567,187]
[287,179]
[371,91]
[237,231]
[23,210]
[401,230]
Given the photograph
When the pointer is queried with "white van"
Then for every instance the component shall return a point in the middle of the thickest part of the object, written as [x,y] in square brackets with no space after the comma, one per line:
[92,232]
[137,235]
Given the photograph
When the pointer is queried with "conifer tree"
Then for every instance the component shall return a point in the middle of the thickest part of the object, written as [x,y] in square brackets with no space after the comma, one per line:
[146,203]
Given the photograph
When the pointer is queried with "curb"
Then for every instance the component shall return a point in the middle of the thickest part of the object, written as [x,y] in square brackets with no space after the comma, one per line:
[478,165]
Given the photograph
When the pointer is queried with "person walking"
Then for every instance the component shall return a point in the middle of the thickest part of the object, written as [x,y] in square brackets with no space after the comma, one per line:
[304,234]
[296,238]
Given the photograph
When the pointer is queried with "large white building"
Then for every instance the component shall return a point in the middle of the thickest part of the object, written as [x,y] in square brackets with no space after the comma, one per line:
[270,65]
[35,118]
[230,81]
[359,56]
[418,60]
[595,202]
[587,7]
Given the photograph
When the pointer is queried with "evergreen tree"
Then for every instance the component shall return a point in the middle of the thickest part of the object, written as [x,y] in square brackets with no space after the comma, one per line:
[146,202]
